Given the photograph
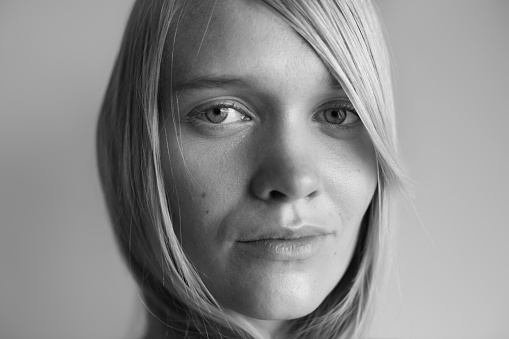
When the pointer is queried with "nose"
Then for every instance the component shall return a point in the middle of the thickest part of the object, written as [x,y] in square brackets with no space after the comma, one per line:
[289,171]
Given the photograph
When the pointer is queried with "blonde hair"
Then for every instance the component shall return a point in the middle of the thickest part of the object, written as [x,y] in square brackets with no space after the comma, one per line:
[346,35]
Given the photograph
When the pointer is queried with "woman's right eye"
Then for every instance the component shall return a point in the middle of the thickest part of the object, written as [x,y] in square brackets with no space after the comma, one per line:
[222,113]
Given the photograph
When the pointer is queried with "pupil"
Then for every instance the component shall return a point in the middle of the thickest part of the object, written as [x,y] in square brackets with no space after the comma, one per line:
[217,111]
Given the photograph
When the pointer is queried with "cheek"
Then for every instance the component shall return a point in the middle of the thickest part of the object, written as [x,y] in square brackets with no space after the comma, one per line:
[350,176]
[202,183]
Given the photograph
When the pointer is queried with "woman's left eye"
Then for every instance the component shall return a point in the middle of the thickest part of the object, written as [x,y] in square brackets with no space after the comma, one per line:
[220,113]
[337,113]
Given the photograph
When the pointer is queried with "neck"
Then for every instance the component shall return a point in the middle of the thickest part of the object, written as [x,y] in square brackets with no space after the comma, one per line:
[269,329]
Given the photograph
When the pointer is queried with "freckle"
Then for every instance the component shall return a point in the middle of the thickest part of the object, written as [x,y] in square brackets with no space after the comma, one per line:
[207,211]
[203,195]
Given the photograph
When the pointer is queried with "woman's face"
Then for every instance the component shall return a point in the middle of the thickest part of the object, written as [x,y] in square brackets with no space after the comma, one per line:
[268,168]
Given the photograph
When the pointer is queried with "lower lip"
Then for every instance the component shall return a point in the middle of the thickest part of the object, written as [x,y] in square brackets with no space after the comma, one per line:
[284,249]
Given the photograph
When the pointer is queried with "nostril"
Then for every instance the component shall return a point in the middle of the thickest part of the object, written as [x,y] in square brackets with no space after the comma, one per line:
[276,195]
[284,181]
[314,193]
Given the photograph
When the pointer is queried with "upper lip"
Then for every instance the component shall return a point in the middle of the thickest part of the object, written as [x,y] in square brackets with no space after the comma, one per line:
[286,233]
[286,222]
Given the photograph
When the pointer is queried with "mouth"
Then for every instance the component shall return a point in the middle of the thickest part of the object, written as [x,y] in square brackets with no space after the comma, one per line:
[286,233]
[286,244]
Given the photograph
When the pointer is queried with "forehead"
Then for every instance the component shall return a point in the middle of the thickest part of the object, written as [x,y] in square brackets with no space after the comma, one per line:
[240,38]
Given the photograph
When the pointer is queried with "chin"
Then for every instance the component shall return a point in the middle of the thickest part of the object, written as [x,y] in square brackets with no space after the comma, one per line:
[283,298]
[281,308]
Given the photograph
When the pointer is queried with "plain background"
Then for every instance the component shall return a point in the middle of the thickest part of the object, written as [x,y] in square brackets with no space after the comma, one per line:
[60,273]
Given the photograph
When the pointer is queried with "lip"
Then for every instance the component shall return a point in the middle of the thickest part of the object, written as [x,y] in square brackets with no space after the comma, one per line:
[286,233]
[285,243]
[284,249]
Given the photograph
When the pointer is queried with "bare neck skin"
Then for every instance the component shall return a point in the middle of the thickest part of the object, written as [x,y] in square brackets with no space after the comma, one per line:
[270,329]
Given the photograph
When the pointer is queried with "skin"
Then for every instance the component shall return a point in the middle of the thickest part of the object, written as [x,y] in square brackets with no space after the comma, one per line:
[275,163]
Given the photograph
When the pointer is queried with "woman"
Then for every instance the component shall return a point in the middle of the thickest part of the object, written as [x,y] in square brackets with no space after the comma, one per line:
[247,154]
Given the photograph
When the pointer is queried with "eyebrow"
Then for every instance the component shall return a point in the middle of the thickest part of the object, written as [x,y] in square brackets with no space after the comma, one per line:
[210,81]
[333,83]
[217,81]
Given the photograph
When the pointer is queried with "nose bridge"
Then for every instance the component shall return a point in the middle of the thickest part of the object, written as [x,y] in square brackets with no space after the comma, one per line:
[288,169]
[292,151]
